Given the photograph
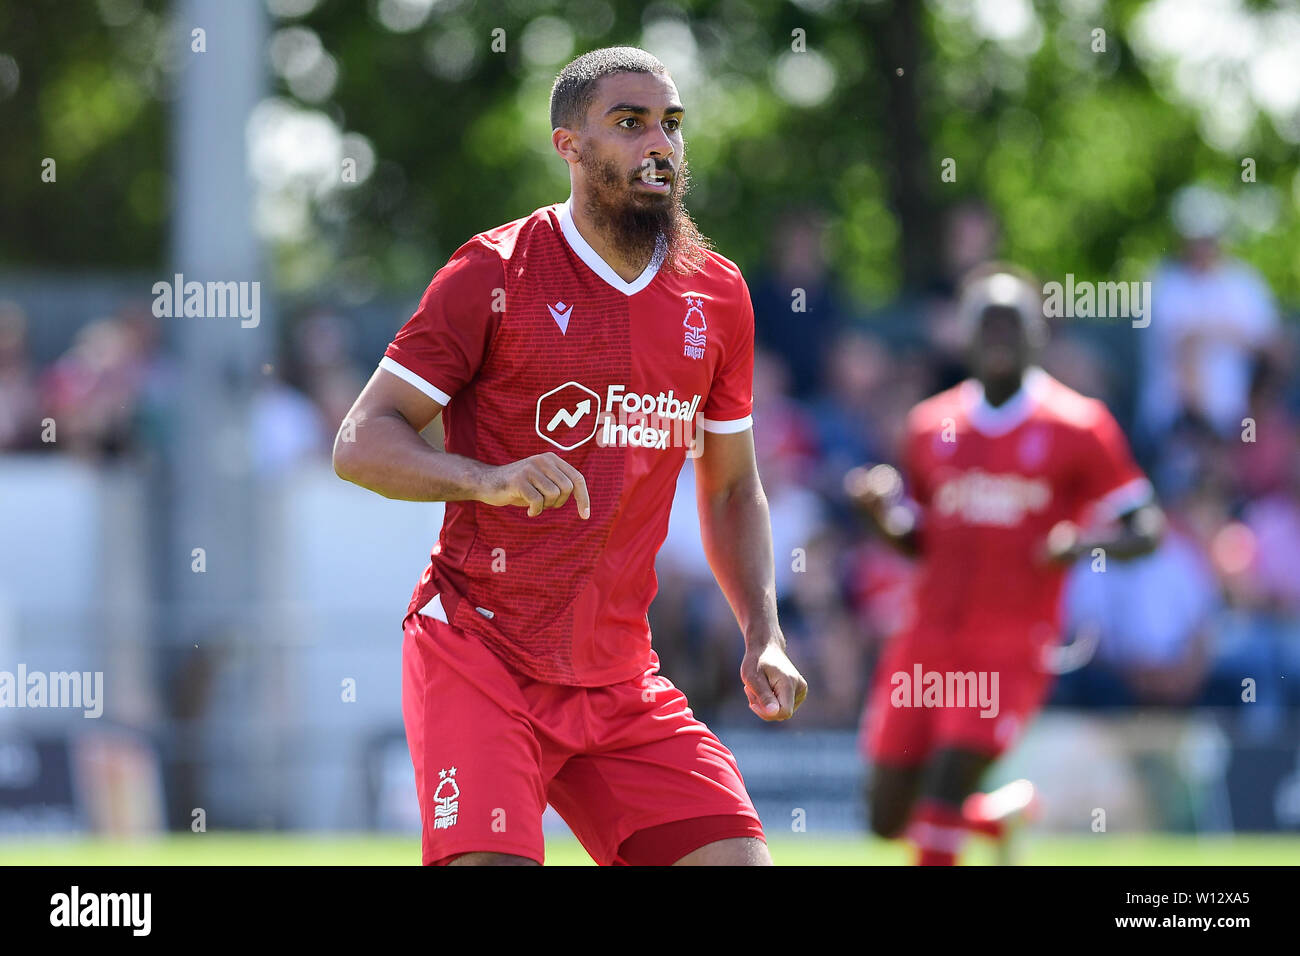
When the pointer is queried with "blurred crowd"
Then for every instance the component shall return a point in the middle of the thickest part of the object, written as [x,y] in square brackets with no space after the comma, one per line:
[1208,398]
[104,397]
[111,394]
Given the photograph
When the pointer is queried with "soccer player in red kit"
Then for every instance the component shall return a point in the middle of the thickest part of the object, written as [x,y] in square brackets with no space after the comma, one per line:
[572,355]
[1009,477]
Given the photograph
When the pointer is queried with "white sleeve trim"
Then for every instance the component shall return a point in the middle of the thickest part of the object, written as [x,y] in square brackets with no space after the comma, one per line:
[406,375]
[726,428]
[1130,495]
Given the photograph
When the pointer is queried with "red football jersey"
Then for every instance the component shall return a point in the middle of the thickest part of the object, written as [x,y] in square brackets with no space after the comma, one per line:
[534,344]
[991,481]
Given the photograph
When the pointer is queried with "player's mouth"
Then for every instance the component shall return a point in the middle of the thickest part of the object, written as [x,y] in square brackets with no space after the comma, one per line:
[657,180]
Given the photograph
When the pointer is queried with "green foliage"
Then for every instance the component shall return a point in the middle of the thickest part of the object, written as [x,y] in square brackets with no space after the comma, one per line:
[88,97]
[1078,151]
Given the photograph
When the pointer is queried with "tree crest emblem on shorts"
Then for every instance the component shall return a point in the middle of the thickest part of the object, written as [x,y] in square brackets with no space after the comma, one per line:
[695,325]
[446,800]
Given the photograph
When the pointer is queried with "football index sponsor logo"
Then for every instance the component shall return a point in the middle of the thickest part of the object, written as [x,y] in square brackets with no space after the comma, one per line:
[566,415]
[645,420]
[572,414]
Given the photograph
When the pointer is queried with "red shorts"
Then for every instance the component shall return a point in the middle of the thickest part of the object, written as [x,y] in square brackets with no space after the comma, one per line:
[492,747]
[923,701]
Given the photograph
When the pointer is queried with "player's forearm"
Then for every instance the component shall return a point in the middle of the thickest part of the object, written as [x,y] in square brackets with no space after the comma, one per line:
[735,528]
[1124,544]
[1138,534]
[388,456]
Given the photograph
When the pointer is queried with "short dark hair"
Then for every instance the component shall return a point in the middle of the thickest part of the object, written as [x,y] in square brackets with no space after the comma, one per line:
[575,87]
[974,298]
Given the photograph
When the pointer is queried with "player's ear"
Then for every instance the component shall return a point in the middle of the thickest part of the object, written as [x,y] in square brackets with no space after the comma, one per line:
[565,143]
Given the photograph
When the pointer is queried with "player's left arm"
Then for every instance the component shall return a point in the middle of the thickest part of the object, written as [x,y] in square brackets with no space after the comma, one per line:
[736,530]
[1134,533]
[1131,522]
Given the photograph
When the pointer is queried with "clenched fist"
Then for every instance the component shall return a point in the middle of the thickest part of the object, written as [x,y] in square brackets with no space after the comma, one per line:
[773,684]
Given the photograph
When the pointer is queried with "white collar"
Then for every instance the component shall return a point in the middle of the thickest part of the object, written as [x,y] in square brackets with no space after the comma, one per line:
[994,420]
[598,265]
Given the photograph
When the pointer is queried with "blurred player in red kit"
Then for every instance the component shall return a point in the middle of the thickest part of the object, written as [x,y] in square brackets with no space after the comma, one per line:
[577,356]
[1007,479]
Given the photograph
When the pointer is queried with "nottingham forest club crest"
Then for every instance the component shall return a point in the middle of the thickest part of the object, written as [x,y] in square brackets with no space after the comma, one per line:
[446,800]
[695,325]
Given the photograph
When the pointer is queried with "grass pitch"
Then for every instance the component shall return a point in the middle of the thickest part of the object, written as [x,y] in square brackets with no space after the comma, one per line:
[278,849]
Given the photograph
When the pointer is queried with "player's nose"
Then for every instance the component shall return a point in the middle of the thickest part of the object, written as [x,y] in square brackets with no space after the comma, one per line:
[660,146]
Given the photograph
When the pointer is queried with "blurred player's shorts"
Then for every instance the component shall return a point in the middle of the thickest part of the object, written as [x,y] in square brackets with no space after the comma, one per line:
[923,701]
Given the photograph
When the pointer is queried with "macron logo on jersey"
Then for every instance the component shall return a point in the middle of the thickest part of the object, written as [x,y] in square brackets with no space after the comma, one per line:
[560,313]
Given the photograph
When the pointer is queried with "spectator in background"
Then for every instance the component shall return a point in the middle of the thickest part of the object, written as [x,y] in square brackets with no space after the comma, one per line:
[1151,620]
[691,617]
[285,428]
[1267,451]
[1211,319]
[322,355]
[785,444]
[19,397]
[819,624]
[1078,364]
[971,237]
[797,262]
[863,413]
[846,407]
[111,393]
[1248,639]
[300,406]
[92,389]
[859,413]
[1189,449]
[1257,558]
[152,372]
[1271,579]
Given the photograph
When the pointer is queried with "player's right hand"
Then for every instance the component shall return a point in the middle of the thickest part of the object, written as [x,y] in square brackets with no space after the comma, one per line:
[537,483]
[1063,544]
[874,488]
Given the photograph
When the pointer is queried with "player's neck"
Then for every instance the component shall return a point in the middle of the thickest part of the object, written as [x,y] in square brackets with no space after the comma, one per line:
[998,391]
[606,248]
